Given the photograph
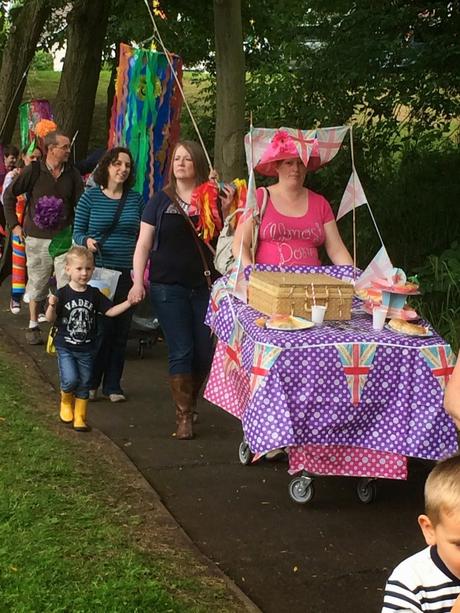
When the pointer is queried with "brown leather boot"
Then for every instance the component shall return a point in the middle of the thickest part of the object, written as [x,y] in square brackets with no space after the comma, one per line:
[198,380]
[182,393]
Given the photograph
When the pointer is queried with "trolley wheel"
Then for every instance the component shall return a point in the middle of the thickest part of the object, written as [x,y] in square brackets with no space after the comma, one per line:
[245,455]
[301,490]
[140,349]
[366,490]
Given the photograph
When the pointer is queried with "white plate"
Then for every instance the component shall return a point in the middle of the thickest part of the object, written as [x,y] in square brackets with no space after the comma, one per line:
[298,323]
[427,333]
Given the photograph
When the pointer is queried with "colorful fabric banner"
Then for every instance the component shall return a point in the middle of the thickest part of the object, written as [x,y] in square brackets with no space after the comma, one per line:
[353,196]
[146,113]
[356,360]
[264,358]
[441,361]
[30,113]
[379,268]
[18,258]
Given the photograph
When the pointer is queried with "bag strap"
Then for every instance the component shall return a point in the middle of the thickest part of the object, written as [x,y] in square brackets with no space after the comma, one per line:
[34,176]
[116,217]
[206,270]
[256,225]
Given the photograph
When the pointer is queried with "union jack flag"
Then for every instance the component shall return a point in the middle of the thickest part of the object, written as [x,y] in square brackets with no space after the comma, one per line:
[232,360]
[329,142]
[218,293]
[379,268]
[441,361]
[353,196]
[324,142]
[356,360]
[264,358]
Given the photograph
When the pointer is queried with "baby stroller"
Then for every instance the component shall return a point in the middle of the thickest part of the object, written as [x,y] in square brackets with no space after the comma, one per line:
[145,327]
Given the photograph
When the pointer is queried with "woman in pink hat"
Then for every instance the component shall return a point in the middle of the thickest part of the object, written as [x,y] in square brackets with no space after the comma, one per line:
[295,221]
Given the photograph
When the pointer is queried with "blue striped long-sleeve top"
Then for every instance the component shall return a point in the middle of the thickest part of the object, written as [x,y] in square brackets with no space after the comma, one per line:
[93,217]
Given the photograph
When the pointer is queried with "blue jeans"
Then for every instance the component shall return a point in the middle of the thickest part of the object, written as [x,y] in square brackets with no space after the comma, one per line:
[75,368]
[181,312]
[112,338]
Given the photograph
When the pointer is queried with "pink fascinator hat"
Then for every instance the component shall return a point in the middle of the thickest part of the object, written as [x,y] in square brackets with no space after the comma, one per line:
[283,146]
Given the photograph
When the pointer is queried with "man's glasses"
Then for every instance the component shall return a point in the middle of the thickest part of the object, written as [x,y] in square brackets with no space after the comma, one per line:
[63,147]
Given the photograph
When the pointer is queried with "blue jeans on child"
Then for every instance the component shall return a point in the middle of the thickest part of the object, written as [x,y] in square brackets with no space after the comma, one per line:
[75,368]
[181,312]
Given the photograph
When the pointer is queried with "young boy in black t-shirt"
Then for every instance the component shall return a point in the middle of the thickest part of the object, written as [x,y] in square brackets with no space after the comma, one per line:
[75,310]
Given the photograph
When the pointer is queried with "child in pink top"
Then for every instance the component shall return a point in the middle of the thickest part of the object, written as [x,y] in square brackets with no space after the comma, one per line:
[293,241]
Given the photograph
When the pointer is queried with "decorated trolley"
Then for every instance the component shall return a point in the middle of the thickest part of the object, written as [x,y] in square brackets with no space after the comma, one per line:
[343,398]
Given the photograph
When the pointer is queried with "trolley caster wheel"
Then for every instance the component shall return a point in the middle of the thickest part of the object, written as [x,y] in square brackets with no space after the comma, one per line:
[301,490]
[245,455]
[366,490]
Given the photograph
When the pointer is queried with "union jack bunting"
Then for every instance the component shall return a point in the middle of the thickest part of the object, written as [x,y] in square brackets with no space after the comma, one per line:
[356,360]
[327,141]
[232,360]
[441,361]
[305,142]
[237,285]
[379,268]
[218,293]
[264,358]
[353,196]
[255,143]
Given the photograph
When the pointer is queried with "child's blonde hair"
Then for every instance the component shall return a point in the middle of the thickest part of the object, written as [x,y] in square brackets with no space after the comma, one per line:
[442,489]
[76,252]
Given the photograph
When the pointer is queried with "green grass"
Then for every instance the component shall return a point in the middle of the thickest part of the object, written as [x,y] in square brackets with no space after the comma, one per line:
[45,84]
[65,544]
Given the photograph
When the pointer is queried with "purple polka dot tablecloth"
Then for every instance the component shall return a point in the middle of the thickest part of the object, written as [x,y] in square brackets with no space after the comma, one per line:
[333,391]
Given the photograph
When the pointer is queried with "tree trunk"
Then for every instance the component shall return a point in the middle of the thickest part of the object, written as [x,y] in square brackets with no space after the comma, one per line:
[74,106]
[230,68]
[27,25]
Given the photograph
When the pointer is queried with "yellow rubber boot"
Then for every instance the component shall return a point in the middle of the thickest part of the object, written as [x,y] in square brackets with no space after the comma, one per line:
[79,420]
[66,409]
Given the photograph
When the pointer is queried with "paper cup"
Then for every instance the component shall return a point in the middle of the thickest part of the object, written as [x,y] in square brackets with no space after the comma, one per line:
[378,317]
[318,311]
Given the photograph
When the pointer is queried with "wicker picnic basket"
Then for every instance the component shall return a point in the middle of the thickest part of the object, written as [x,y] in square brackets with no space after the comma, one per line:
[295,293]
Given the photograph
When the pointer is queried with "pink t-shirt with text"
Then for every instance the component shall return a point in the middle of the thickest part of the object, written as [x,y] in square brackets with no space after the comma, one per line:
[293,241]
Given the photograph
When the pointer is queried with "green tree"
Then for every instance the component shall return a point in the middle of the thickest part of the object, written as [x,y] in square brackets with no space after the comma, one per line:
[74,106]
[25,24]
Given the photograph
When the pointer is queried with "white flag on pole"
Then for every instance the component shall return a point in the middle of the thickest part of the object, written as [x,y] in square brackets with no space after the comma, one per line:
[379,268]
[354,193]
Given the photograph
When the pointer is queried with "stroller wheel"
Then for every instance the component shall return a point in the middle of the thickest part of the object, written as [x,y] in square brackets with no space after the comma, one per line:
[366,490]
[244,453]
[301,489]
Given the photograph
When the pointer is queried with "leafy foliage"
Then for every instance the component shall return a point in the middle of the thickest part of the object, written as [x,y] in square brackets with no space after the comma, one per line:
[42,61]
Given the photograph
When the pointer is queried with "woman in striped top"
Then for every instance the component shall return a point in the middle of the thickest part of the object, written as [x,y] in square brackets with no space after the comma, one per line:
[94,217]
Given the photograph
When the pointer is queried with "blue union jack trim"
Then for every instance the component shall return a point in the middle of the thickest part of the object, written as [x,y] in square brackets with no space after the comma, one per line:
[356,360]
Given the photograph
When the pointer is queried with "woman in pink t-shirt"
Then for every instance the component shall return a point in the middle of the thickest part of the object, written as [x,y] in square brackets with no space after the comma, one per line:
[296,221]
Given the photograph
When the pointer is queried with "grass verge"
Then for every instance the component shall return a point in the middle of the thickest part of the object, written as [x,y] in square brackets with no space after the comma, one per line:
[72,534]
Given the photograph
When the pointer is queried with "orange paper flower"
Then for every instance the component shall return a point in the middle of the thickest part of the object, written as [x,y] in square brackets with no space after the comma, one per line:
[44,127]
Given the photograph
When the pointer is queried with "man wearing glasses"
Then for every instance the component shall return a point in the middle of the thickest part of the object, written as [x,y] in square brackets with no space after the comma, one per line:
[53,187]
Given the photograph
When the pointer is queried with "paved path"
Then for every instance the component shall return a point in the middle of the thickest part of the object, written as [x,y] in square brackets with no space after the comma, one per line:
[333,554]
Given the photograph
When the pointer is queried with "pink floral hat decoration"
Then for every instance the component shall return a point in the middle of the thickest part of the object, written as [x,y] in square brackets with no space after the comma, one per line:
[283,147]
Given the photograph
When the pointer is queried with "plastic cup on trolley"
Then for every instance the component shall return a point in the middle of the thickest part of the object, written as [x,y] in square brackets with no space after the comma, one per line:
[379,315]
[318,311]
